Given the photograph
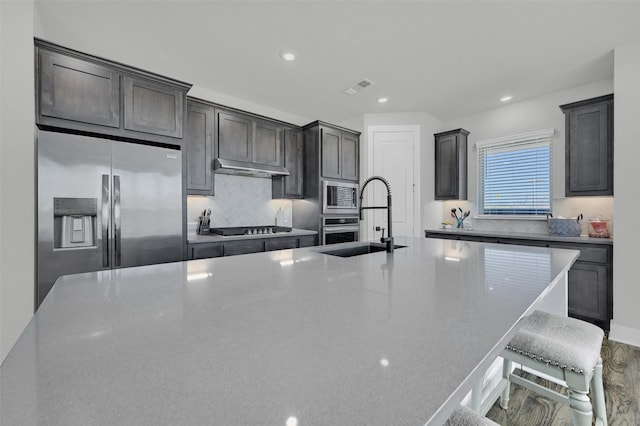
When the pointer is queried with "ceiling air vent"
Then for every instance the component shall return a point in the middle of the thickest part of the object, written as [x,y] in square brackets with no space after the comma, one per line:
[363,84]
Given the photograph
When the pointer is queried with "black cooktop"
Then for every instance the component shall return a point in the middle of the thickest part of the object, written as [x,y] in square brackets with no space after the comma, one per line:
[250,230]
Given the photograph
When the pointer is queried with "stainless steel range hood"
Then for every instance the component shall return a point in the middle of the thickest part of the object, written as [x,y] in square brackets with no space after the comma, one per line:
[240,168]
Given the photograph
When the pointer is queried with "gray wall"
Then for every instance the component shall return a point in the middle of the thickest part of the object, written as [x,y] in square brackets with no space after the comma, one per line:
[626,291]
[522,117]
[17,171]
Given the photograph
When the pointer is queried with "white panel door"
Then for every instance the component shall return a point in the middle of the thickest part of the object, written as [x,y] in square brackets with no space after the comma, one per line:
[396,155]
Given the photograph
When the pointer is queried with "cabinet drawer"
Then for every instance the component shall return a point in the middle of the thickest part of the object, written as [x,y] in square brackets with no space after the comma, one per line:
[530,243]
[243,247]
[205,251]
[280,244]
[588,253]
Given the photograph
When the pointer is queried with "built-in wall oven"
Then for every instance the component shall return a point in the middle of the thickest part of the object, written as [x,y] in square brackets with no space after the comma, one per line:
[340,229]
[339,197]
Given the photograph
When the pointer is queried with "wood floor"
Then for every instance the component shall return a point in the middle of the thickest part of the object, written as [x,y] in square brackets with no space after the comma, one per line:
[621,387]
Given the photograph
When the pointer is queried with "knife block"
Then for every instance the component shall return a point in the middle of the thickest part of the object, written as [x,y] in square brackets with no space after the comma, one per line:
[203,225]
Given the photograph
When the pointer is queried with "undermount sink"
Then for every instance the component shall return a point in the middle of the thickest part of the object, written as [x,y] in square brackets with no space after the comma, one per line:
[359,250]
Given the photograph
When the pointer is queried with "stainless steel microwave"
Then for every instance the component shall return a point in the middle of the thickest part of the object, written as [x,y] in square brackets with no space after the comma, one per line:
[339,197]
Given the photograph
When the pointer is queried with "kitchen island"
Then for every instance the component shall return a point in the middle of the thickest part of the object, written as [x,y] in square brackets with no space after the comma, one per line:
[278,338]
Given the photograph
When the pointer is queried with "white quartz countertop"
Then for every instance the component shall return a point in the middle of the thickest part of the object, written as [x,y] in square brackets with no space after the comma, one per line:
[263,338]
[522,236]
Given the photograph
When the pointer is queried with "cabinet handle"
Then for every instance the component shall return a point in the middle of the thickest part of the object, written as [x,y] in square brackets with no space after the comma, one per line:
[116,221]
[105,221]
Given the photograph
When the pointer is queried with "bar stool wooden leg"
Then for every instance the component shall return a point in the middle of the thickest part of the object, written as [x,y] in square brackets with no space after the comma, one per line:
[597,390]
[581,410]
[506,371]
[476,396]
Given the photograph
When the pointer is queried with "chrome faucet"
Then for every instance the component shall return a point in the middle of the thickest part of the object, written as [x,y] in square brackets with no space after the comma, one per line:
[389,239]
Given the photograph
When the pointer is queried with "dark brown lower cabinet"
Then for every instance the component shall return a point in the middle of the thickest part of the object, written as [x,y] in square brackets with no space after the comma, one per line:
[590,277]
[204,251]
[233,248]
[591,283]
[588,291]
[280,244]
[308,241]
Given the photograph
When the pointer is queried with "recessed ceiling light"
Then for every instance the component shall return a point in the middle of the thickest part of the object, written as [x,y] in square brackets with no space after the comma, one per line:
[506,98]
[382,100]
[288,56]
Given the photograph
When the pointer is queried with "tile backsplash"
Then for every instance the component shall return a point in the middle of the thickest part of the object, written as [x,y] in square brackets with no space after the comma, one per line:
[239,201]
[589,207]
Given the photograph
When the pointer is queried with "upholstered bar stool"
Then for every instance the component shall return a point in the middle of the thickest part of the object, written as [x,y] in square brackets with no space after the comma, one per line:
[466,417]
[567,349]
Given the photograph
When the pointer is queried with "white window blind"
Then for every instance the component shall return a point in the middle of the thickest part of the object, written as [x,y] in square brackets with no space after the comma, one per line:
[514,175]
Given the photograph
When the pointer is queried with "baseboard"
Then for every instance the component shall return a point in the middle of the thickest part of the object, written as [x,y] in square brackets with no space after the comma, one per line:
[627,335]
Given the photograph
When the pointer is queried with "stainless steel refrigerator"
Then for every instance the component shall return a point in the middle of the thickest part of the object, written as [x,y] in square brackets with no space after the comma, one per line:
[105,204]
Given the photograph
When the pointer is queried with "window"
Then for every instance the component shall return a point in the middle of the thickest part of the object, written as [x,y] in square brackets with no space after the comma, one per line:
[514,175]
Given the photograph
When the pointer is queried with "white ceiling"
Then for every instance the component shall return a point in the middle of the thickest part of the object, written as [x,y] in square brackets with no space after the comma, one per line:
[446,58]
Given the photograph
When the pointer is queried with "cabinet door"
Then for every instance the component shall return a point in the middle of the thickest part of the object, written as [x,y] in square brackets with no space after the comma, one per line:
[446,179]
[266,143]
[234,136]
[589,156]
[205,251]
[330,151]
[79,91]
[291,186]
[243,247]
[152,108]
[308,241]
[349,156]
[451,165]
[588,295]
[199,149]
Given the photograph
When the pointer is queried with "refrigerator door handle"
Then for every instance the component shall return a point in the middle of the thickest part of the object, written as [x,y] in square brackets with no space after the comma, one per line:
[106,209]
[116,221]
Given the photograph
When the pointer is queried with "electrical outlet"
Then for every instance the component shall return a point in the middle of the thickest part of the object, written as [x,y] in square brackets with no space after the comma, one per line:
[377,228]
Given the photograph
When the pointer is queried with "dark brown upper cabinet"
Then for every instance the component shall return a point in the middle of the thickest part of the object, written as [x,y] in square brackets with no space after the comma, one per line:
[152,108]
[235,136]
[199,148]
[451,165]
[77,91]
[339,150]
[330,149]
[291,186]
[589,147]
[349,156]
[267,143]
[243,137]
